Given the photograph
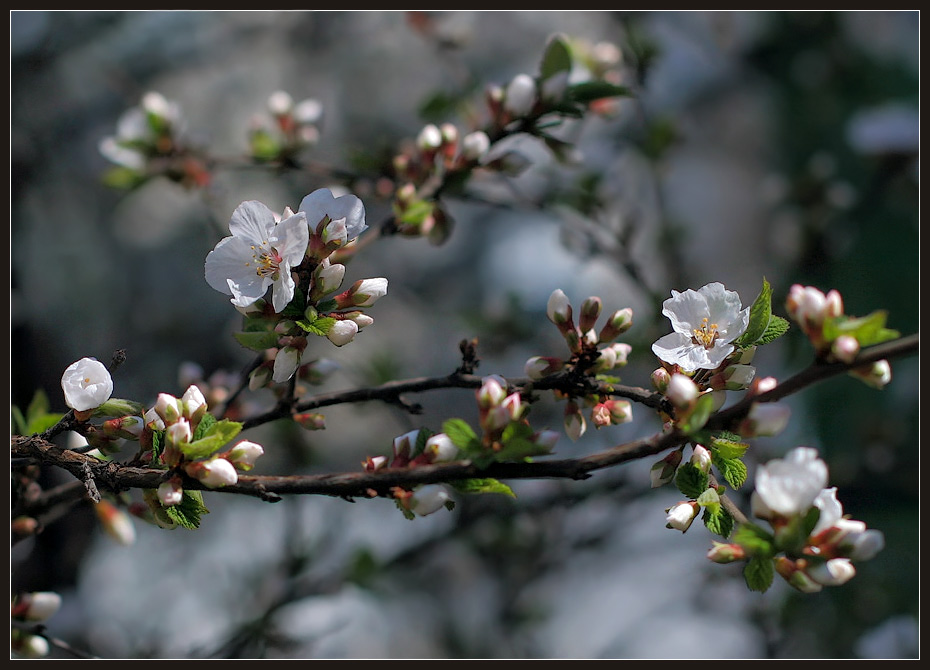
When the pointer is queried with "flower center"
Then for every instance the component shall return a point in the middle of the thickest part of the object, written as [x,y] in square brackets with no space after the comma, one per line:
[706,334]
[267,261]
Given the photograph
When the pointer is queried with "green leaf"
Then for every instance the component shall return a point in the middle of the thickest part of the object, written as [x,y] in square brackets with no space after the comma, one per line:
[158,444]
[721,447]
[40,424]
[295,308]
[461,434]
[214,437]
[482,486]
[690,480]
[187,513]
[556,58]
[38,419]
[733,470]
[810,520]
[420,445]
[257,341]
[759,573]
[123,178]
[327,305]
[18,423]
[718,521]
[206,422]
[587,91]
[699,415]
[867,330]
[319,326]
[776,328]
[755,540]
[759,315]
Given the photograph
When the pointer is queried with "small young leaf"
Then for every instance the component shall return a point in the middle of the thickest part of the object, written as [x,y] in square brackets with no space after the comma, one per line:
[690,480]
[482,486]
[588,91]
[755,540]
[18,421]
[724,447]
[187,513]
[420,445]
[461,434]
[214,437]
[867,330]
[557,58]
[700,413]
[257,341]
[759,573]
[206,421]
[759,315]
[319,326]
[718,521]
[733,470]
[776,328]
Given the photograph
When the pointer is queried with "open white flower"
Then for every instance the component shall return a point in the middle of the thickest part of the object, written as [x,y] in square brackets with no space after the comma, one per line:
[321,204]
[87,384]
[705,322]
[260,253]
[789,486]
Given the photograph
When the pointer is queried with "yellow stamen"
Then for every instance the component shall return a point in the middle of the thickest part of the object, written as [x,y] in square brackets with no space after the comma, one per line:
[706,334]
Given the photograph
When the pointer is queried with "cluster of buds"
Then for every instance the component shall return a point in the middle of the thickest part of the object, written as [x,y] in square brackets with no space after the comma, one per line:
[498,409]
[591,352]
[836,336]
[202,455]
[812,543]
[286,129]
[31,608]
[681,515]
[150,142]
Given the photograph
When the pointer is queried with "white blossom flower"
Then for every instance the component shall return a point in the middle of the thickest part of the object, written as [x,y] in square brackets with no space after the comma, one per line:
[321,204]
[428,499]
[681,515]
[86,384]
[259,254]
[244,455]
[789,486]
[705,322]
[835,572]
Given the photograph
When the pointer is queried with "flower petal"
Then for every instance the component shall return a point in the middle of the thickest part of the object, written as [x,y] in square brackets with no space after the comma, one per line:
[252,221]
[678,349]
[321,203]
[685,310]
[292,235]
[282,291]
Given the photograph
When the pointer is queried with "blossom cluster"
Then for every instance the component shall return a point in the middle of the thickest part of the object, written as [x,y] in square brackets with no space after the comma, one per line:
[812,543]
[294,256]
[592,352]
[32,608]
[286,129]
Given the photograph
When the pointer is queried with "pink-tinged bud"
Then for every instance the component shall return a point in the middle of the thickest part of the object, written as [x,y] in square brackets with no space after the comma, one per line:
[660,380]
[310,420]
[429,138]
[835,572]
[833,303]
[589,313]
[441,448]
[286,362]
[153,421]
[763,385]
[215,473]
[195,404]
[342,332]
[738,377]
[600,416]
[877,375]
[335,234]
[449,133]
[520,96]
[681,391]
[538,367]
[36,606]
[575,425]
[589,338]
[621,411]
[280,103]
[845,348]
[365,292]
[558,308]
[764,420]
[179,432]
[546,439]
[622,352]
[492,392]
[701,458]
[618,323]
[403,446]
[116,523]
[495,419]
[126,427]
[371,464]
[168,408]
[726,553]
[259,377]
[170,492]
[244,455]
[475,145]
[662,472]
[428,499]
[681,515]
[515,406]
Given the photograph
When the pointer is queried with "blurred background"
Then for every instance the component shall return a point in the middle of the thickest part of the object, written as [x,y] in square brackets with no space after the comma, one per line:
[759,144]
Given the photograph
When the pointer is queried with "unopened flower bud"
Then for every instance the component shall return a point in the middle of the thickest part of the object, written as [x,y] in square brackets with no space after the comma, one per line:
[681,391]
[360,319]
[681,515]
[833,306]
[441,448]
[835,572]
[286,362]
[877,375]
[310,420]
[115,522]
[475,145]
[308,111]
[520,96]
[170,492]
[195,405]
[26,645]
[214,473]
[726,553]
[280,103]
[335,234]
[701,458]
[738,377]
[403,446]
[515,406]
[430,138]
[373,463]
[244,455]
[622,352]
[765,420]
[259,377]
[845,348]
[342,332]
[492,392]
[179,432]
[365,292]
[558,308]
[660,380]
[36,606]
[538,367]
[606,360]
[327,278]
[575,425]
[168,408]
[152,420]
[449,133]
[589,313]
[662,472]
[428,499]
[618,323]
